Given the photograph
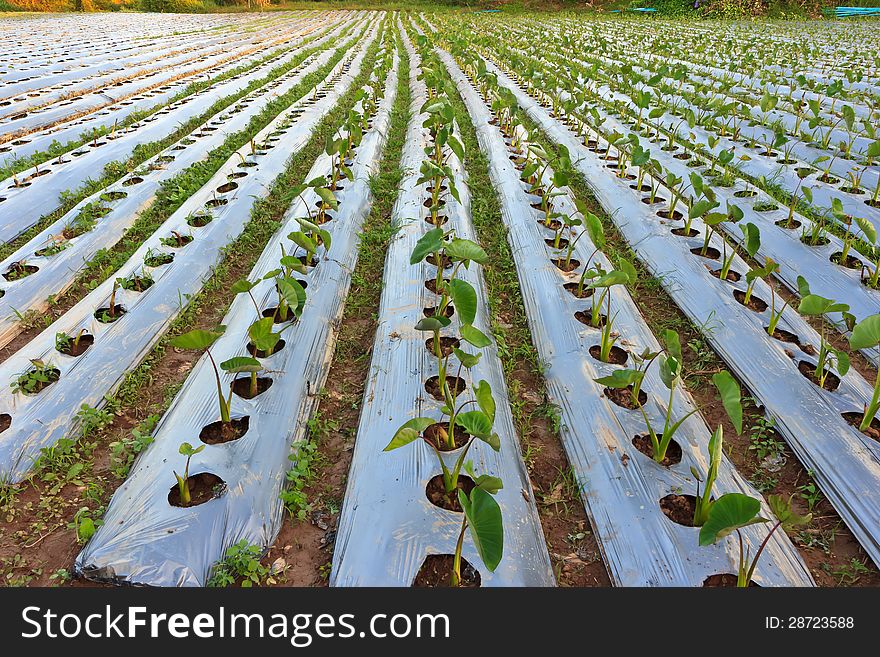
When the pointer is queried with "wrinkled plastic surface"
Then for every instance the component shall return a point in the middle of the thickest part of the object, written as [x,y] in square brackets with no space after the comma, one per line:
[41,420]
[57,272]
[620,486]
[844,462]
[387,525]
[145,540]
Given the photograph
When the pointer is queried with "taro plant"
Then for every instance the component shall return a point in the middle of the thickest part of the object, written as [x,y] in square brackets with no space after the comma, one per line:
[866,335]
[732,512]
[731,399]
[482,516]
[188,451]
[625,275]
[813,305]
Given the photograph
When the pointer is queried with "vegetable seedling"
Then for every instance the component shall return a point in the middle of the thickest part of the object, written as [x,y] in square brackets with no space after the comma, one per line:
[188,451]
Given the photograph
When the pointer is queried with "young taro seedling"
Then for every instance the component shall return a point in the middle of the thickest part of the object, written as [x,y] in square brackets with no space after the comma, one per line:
[734,511]
[188,451]
[626,275]
[866,335]
[812,305]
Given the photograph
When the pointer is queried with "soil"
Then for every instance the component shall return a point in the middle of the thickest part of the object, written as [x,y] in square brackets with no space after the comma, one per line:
[445,259]
[585,293]
[732,275]
[586,317]
[794,224]
[77,348]
[456,383]
[809,370]
[682,233]
[447,344]
[432,310]
[755,303]
[203,487]
[566,267]
[679,508]
[616,356]
[642,442]
[5,421]
[220,432]
[137,283]
[260,353]
[554,224]
[676,216]
[711,253]
[436,569]
[725,580]
[435,491]
[551,242]
[431,284]
[242,386]
[623,397]
[850,262]
[855,419]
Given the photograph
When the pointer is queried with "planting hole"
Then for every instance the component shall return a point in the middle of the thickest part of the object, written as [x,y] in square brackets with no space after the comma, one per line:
[642,442]
[242,386]
[832,382]
[5,421]
[74,347]
[436,493]
[623,397]
[711,252]
[220,432]
[755,303]
[855,419]
[435,570]
[456,385]
[584,293]
[259,353]
[106,316]
[679,508]
[432,310]
[725,580]
[616,356]
[447,344]
[203,487]
[570,266]
[227,187]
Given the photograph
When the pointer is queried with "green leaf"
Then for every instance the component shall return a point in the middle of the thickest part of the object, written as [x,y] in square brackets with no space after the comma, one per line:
[238,364]
[476,423]
[474,336]
[485,400]
[409,432]
[461,249]
[752,235]
[327,196]
[430,242]
[303,241]
[467,360]
[731,397]
[464,298]
[241,286]
[261,334]
[866,333]
[730,512]
[485,524]
[434,323]
[781,508]
[673,344]
[196,339]
[620,378]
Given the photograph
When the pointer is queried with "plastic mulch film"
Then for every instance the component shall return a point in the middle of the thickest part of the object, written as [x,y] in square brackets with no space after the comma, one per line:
[156,100]
[146,540]
[92,94]
[621,487]
[41,195]
[783,245]
[124,336]
[844,462]
[121,202]
[388,526]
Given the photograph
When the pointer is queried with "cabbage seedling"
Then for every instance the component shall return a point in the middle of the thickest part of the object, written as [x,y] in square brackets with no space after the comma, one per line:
[866,335]
[188,451]
[734,511]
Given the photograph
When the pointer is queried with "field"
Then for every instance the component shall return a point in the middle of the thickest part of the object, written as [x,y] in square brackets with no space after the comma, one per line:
[363,298]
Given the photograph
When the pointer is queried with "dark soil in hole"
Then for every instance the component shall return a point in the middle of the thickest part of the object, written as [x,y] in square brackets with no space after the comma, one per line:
[431,284]
[227,187]
[137,283]
[455,383]
[132,181]
[242,386]
[786,336]
[203,487]
[176,241]
[104,315]
[551,242]
[428,203]
[5,422]
[585,292]
[664,214]
[445,259]
[437,435]
[643,188]
[788,225]
[220,432]
[647,200]
[745,193]
[436,569]
[554,224]
[873,203]
[436,493]
[51,373]
[617,356]
[725,580]
[199,220]
[447,344]
[853,190]
[712,253]
[807,368]
[437,221]
[679,508]
[681,232]
[216,202]
[756,304]
[259,353]
[623,397]
[272,312]
[20,270]
[571,265]
[586,317]
[831,180]
[732,275]
[682,156]
[855,419]
[78,347]
[642,442]
[432,310]
[850,262]
[159,259]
